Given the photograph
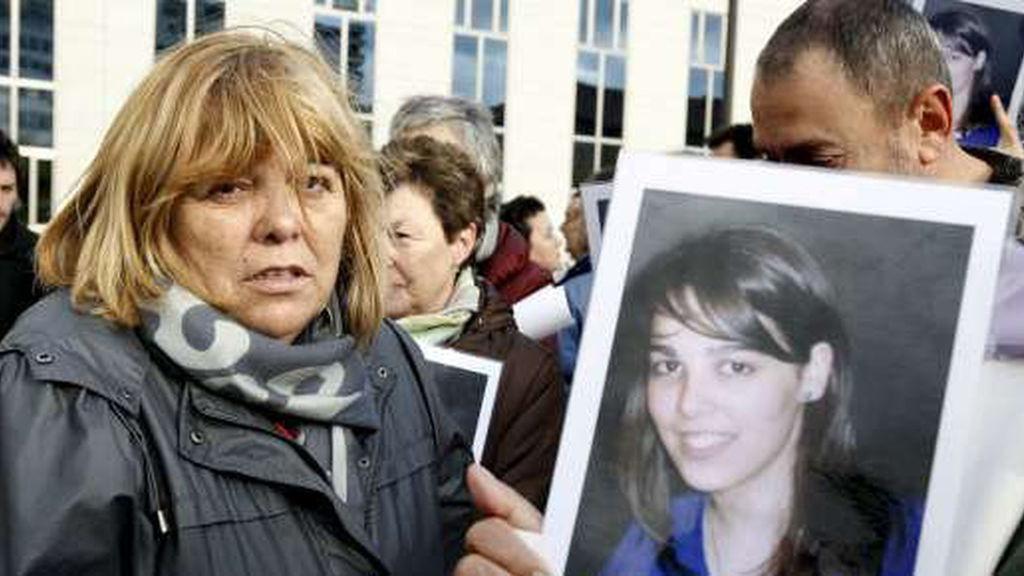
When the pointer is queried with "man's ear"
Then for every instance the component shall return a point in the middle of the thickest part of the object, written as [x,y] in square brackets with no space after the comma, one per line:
[463,244]
[931,111]
[816,373]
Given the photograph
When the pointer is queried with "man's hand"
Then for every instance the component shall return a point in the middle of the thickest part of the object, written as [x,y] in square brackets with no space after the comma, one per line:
[492,546]
[1009,138]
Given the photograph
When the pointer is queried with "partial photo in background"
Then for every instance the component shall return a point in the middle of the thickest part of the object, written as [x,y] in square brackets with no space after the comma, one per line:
[468,386]
[758,339]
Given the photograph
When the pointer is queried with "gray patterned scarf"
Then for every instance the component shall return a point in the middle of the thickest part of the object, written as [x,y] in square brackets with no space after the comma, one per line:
[322,377]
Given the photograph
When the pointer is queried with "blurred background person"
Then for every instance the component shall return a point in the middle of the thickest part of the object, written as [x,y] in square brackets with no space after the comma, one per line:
[18,286]
[735,141]
[503,255]
[967,50]
[528,216]
[434,210]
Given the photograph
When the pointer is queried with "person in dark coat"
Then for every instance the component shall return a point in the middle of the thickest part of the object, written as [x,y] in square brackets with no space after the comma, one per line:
[502,254]
[212,388]
[434,205]
[18,287]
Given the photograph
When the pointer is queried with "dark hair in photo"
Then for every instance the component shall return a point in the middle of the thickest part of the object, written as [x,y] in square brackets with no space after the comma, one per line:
[756,287]
[884,47]
[518,210]
[741,136]
[970,36]
[443,173]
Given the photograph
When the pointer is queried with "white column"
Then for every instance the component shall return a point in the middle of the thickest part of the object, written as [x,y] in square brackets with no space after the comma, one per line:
[292,18]
[102,48]
[756,21]
[656,75]
[414,55]
[541,101]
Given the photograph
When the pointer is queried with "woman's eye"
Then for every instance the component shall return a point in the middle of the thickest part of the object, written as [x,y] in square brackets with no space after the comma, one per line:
[318,184]
[736,368]
[664,367]
[225,190]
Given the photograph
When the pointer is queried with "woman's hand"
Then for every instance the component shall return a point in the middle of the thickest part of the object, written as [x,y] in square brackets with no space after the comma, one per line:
[492,546]
[1009,138]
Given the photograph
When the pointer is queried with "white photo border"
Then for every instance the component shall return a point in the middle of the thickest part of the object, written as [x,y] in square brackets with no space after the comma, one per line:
[480,365]
[591,195]
[983,209]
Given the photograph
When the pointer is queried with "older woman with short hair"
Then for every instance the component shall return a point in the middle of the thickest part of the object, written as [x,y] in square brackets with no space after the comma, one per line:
[212,389]
[434,213]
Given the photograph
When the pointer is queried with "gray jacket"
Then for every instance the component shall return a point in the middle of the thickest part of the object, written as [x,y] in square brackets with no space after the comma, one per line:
[112,462]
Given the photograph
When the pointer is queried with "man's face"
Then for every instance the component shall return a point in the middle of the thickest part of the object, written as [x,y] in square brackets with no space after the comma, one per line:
[8,193]
[814,116]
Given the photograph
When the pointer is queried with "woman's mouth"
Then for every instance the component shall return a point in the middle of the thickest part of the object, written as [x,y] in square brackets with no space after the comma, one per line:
[279,279]
[704,444]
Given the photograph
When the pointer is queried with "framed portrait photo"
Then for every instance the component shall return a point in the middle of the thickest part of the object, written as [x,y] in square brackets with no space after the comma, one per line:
[468,386]
[983,44]
[779,366]
[596,197]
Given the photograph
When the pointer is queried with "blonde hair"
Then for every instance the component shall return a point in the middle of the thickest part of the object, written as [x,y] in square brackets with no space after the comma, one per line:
[209,111]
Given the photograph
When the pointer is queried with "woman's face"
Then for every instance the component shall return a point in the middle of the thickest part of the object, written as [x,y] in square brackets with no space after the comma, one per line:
[265,249]
[545,249]
[728,416]
[421,262]
[962,69]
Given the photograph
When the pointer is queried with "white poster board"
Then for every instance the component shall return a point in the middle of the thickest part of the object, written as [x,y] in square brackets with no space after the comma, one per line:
[912,266]
[596,200]
[468,387]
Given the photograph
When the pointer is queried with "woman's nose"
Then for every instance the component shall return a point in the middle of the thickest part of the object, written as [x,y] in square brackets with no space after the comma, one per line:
[693,395]
[281,219]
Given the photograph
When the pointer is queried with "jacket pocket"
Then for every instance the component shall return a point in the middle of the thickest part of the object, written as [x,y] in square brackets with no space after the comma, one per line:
[407,460]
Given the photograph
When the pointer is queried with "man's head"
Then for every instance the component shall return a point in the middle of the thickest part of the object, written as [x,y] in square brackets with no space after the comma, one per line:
[9,159]
[857,84]
[469,126]
[574,228]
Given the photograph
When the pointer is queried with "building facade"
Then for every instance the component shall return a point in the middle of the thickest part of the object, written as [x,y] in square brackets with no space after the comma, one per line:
[570,82]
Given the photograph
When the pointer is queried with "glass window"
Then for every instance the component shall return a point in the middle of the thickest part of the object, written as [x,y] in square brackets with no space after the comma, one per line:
[587,64]
[35,117]
[603,23]
[696,107]
[5,37]
[582,161]
[209,16]
[460,12]
[35,43]
[5,109]
[695,39]
[609,155]
[44,191]
[370,6]
[327,30]
[483,14]
[584,13]
[464,77]
[712,39]
[349,5]
[718,102]
[503,21]
[614,96]
[170,23]
[623,23]
[360,64]
[494,79]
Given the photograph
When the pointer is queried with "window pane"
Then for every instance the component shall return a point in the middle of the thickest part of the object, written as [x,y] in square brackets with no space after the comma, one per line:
[609,155]
[713,39]
[584,11]
[503,17]
[5,110]
[464,74]
[360,64]
[623,23]
[695,39]
[349,5]
[5,37]
[170,23]
[603,23]
[696,106]
[44,192]
[582,161]
[460,12]
[370,6]
[718,102]
[36,41]
[614,95]
[35,117]
[494,79]
[209,16]
[483,14]
[327,31]
[586,93]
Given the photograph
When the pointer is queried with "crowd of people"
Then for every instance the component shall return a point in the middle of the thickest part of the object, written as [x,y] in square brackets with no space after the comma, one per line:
[221,372]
